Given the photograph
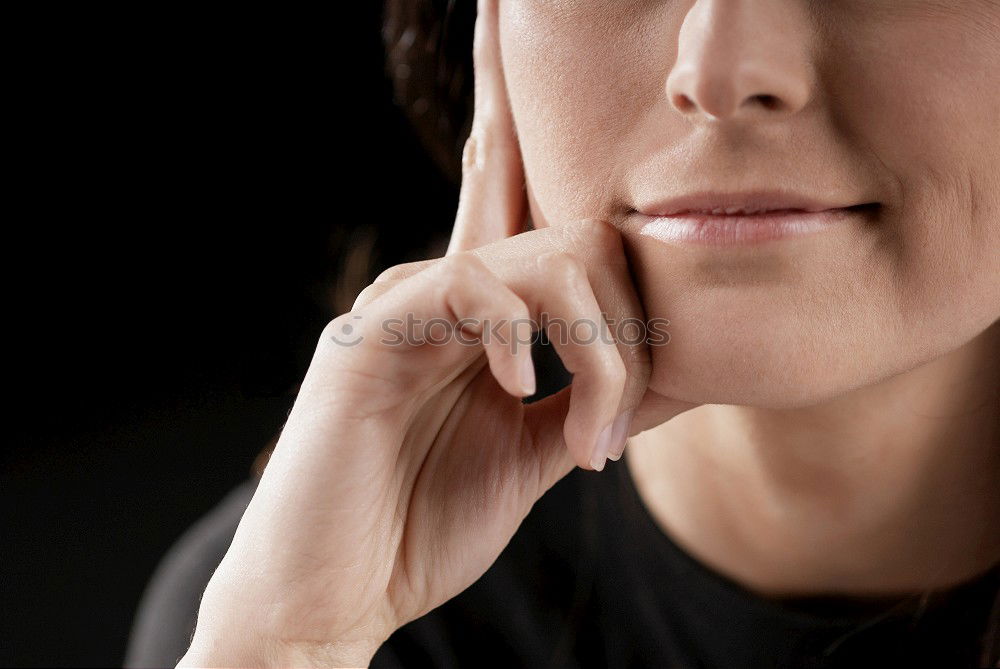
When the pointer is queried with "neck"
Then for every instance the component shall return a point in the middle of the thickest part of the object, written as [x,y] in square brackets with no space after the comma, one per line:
[886,490]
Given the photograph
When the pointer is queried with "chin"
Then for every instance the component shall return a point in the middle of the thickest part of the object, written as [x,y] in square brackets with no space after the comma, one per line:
[745,381]
[778,362]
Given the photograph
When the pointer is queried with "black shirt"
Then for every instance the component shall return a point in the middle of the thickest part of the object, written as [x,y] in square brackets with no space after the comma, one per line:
[591,580]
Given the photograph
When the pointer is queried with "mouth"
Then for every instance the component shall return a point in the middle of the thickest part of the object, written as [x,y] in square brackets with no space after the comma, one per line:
[736,219]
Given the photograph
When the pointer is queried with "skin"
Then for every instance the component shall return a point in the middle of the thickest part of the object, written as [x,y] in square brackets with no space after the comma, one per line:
[824,417]
[850,378]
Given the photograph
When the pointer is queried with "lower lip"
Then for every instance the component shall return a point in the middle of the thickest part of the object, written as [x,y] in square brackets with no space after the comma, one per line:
[740,230]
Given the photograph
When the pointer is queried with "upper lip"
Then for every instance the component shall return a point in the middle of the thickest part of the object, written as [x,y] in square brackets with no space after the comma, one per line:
[736,203]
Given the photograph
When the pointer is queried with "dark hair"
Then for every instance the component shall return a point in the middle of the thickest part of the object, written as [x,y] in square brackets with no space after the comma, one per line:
[428,46]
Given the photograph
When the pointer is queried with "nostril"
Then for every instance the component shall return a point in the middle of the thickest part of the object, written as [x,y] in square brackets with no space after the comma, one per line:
[769,102]
[683,103]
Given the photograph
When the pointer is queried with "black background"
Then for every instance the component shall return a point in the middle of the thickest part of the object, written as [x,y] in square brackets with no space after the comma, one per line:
[186,185]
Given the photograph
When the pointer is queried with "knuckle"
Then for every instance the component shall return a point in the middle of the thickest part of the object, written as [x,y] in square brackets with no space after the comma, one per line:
[330,328]
[403,271]
[367,296]
[470,154]
[519,309]
[394,273]
[561,266]
[614,372]
[344,330]
[478,145]
[463,266]
[460,271]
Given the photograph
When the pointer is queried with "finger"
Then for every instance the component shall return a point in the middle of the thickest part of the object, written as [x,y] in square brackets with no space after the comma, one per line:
[611,279]
[598,246]
[492,203]
[564,303]
[389,278]
[546,439]
[398,340]
[555,284]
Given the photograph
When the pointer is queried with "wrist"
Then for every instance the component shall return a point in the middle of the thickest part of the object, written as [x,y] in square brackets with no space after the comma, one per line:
[271,653]
[234,629]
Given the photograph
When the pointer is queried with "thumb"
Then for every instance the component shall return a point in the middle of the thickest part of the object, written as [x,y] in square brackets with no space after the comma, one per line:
[493,203]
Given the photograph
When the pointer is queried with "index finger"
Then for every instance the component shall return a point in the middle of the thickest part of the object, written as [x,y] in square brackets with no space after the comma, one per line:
[493,202]
[598,246]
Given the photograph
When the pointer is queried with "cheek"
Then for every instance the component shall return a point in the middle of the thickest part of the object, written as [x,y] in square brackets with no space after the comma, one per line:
[576,86]
[926,104]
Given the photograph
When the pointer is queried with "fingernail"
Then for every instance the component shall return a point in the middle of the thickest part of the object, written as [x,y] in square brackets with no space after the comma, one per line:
[527,375]
[619,435]
[602,447]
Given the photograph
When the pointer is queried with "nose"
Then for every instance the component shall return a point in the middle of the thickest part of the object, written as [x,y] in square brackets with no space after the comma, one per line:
[742,59]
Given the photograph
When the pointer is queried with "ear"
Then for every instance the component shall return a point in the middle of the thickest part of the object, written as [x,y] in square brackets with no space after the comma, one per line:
[493,201]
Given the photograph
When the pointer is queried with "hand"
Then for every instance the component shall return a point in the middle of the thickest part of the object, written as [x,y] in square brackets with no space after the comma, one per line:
[405,468]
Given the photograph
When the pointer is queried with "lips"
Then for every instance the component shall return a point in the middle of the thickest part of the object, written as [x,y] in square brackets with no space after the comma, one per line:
[730,211]
[744,203]
[734,219]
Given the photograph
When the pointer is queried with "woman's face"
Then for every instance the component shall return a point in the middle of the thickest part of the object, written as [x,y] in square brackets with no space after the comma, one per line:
[893,104]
